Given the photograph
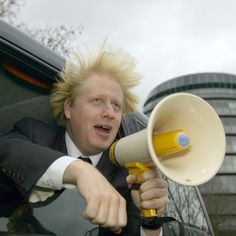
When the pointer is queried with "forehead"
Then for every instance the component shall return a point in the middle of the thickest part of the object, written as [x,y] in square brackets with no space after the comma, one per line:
[102,84]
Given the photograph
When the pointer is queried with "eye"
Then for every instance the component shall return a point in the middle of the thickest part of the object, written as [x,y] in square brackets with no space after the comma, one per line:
[97,101]
[117,106]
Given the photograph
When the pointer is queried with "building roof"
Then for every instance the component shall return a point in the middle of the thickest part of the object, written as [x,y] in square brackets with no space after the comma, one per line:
[186,82]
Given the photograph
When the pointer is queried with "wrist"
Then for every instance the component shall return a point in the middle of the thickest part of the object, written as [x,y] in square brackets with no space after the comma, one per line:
[151,232]
[152,223]
[156,222]
[72,172]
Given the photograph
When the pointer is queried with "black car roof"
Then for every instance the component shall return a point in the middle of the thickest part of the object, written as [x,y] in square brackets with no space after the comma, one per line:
[14,41]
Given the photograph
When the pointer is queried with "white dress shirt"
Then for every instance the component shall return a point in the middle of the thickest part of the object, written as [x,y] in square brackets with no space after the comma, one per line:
[52,179]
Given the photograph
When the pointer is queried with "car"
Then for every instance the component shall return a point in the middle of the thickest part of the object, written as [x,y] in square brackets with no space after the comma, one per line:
[28,69]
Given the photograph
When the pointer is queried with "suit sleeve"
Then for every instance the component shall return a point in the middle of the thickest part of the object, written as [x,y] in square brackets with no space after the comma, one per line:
[22,159]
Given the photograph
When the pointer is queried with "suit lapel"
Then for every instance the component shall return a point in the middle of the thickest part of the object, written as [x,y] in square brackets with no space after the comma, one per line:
[105,165]
[60,143]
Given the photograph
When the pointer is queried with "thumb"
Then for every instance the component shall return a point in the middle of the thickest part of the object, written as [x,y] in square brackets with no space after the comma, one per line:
[131,179]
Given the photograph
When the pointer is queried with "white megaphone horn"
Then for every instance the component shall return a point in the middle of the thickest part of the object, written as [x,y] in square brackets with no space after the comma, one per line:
[184,138]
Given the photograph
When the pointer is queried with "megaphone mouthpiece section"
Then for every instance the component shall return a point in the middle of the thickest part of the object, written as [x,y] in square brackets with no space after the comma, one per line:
[171,142]
[112,154]
[183,140]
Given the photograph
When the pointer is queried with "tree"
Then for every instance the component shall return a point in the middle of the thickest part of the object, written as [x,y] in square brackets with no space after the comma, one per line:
[9,9]
[57,38]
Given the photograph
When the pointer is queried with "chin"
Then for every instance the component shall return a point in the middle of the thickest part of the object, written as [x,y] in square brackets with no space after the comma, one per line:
[103,147]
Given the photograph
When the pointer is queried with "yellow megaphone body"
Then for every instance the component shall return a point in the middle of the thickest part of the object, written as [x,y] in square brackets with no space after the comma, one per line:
[184,138]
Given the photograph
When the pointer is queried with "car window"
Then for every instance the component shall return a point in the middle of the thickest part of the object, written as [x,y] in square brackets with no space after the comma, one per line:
[185,204]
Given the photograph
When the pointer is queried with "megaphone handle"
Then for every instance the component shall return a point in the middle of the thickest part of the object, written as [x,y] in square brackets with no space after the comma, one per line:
[136,168]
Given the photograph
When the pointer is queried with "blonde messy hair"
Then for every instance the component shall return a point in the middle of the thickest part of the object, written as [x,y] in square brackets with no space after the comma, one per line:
[117,64]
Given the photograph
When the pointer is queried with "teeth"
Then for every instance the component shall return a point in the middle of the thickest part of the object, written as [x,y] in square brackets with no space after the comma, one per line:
[105,128]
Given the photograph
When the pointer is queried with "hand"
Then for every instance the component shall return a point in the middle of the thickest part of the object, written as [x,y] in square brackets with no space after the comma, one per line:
[105,206]
[153,192]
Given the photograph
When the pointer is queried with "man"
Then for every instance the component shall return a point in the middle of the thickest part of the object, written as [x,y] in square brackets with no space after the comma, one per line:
[88,102]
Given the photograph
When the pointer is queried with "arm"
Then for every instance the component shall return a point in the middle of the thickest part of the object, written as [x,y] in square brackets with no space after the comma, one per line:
[25,152]
[22,159]
[105,206]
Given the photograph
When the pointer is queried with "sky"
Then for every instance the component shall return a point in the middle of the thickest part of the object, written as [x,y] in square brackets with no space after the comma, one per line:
[167,38]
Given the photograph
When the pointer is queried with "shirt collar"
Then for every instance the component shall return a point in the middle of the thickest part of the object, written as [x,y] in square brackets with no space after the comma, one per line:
[73,151]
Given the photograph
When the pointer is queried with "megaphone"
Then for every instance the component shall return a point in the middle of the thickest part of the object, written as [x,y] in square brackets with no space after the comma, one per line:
[195,150]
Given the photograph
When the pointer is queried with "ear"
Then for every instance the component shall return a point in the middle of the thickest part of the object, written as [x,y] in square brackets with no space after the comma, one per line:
[67,109]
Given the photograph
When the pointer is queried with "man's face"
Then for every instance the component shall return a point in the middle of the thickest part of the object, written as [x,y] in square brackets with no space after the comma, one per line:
[95,116]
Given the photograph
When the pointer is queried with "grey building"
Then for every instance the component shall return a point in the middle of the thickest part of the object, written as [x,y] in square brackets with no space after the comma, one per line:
[219,90]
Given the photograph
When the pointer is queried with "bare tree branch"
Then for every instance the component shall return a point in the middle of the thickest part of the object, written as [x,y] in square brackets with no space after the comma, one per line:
[9,9]
[57,38]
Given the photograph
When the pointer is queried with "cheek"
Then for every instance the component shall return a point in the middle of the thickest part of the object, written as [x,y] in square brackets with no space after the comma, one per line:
[75,127]
[117,124]
[76,120]
[82,122]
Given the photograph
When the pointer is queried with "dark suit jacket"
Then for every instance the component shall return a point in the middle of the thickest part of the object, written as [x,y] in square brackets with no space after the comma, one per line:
[27,152]
[32,146]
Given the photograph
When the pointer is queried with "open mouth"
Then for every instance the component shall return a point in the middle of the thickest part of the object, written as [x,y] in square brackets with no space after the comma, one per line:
[103,128]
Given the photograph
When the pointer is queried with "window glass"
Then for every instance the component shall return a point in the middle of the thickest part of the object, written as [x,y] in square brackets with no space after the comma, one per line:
[185,205]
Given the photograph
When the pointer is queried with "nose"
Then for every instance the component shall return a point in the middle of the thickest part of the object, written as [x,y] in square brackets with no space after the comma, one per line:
[108,111]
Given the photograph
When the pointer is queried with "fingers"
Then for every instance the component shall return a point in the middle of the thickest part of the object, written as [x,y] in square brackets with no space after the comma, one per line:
[131,179]
[155,203]
[91,210]
[155,182]
[153,192]
[109,211]
[116,219]
[149,174]
[105,206]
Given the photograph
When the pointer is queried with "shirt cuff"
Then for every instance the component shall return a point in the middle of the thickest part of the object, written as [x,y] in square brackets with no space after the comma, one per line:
[53,177]
[142,233]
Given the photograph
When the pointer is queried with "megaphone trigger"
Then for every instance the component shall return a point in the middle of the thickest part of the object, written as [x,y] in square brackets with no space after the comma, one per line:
[137,168]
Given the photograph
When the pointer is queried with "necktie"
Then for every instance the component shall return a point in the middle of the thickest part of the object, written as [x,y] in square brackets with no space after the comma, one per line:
[86,159]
